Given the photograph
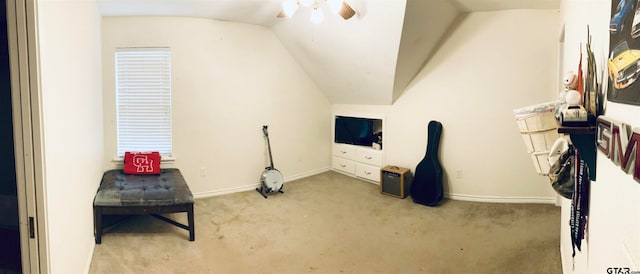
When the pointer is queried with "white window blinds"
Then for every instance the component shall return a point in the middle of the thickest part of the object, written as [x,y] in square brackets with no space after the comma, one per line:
[143,99]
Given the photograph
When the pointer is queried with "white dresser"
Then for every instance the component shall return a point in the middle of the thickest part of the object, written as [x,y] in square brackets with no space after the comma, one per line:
[360,161]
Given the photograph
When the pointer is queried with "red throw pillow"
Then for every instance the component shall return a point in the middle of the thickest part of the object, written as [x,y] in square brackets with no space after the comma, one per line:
[142,162]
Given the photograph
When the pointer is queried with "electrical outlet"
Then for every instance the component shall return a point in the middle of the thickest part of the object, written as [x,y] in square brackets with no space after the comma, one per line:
[459,174]
[203,172]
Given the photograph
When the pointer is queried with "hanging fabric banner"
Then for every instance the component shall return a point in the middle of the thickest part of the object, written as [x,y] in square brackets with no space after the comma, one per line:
[579,204]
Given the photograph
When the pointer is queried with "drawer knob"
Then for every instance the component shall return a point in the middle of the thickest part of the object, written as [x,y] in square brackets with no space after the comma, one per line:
[343,152]
[368,157]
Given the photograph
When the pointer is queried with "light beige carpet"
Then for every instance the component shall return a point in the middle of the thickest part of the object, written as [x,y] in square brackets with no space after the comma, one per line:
[331,223]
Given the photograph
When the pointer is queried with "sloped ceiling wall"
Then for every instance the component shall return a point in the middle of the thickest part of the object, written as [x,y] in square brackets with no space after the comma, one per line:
[426,23]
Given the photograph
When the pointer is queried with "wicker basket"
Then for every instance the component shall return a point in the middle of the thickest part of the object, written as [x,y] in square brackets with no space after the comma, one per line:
[538,127]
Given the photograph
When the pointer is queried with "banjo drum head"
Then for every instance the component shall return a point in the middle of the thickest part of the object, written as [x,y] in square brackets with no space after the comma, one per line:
[272,180]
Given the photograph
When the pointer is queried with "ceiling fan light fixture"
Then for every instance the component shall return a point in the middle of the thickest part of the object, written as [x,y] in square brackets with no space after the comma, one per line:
[339,7]
[346,11]
[317,16]
[289,7]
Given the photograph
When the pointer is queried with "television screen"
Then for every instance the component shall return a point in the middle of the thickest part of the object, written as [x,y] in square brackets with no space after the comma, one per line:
[355,131]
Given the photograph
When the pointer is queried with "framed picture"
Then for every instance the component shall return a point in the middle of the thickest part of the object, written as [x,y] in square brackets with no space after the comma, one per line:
[624,52]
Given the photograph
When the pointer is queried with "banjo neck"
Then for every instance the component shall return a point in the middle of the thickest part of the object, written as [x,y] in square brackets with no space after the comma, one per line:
[266,134]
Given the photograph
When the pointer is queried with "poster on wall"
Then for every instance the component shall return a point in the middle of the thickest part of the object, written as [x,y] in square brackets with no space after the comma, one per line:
[624,52]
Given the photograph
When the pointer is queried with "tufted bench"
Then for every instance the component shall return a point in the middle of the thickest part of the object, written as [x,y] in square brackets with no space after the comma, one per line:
[122,194]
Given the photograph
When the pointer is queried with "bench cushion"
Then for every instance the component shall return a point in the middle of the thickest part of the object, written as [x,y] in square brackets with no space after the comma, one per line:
[164,189]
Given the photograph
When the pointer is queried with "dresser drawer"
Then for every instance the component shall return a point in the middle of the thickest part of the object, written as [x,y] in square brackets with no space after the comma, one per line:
[369,156]
[368,172]
[344,151]
[343,165]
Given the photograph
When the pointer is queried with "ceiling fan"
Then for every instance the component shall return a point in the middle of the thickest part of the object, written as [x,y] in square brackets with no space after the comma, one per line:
[338,7]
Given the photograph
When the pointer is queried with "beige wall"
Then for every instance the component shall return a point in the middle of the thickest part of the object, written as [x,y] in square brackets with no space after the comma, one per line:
[69,41]
[492,63]
[228,79]
[613,239]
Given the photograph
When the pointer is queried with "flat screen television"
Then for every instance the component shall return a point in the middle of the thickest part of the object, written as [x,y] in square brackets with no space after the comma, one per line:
[356,131]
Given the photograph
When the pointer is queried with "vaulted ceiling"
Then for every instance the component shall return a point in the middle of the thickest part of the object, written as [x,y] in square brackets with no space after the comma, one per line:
[368,59]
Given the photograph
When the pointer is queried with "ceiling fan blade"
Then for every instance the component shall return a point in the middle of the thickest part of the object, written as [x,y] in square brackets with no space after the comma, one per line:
[346,11]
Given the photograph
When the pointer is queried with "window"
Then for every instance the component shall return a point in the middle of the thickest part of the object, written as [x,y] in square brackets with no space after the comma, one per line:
[143,99]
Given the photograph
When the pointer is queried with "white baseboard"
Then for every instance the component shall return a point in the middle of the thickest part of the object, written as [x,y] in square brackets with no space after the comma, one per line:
[219,192]
[287,179]
[461,197]
[306,174]
[496,199]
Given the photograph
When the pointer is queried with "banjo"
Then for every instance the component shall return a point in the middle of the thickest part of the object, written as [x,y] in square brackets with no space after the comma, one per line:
[271,180]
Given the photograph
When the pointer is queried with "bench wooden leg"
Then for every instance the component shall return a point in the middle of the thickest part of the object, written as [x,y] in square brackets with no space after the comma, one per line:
[190,217]
[97,224]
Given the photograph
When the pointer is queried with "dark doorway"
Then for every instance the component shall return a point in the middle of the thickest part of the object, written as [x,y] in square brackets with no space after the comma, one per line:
[10,261]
